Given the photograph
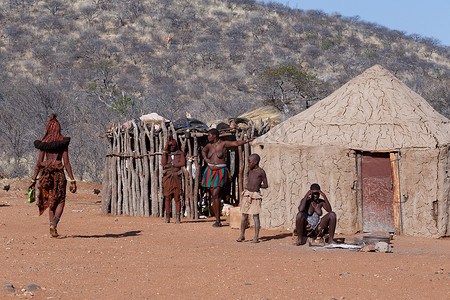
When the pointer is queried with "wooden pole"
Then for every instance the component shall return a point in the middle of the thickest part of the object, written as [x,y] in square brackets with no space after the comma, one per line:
[145,169]
[120,183]
[115,160]
[190,186]
[185,183]
[359,196]
[196,179]
[106,183]
[396,192]
[186,191]
[175,137]
[131,174]
[241,168]
[260,125]
[233,173]
[126,188]
[138,168]
[161,143]
[153,176]
[247,152]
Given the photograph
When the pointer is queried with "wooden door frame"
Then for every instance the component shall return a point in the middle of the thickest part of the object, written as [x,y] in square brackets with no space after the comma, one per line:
[393,158]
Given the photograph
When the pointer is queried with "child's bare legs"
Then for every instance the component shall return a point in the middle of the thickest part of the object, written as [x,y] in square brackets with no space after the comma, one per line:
[243,227]
[257,226]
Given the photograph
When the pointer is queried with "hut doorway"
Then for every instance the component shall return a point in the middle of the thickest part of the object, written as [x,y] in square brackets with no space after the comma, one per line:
[377,192]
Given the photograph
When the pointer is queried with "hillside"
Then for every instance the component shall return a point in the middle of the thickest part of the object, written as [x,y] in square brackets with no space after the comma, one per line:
[95,62]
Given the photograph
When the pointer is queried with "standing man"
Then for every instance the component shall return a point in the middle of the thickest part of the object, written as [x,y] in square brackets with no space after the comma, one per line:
[309,222]
[216,174]
[172,161]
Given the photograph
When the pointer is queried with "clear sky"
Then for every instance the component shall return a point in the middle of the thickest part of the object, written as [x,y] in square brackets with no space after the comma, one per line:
[429,18]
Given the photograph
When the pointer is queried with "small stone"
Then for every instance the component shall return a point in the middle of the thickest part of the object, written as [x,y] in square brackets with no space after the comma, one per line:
[33,287]
[383,247]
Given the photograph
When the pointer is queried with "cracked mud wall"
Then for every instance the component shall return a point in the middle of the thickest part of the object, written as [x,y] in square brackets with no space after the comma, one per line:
[424,186]
[290,172]
[444,170]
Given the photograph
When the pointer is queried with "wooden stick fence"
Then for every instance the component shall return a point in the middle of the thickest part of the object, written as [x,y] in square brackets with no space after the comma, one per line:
[132,179]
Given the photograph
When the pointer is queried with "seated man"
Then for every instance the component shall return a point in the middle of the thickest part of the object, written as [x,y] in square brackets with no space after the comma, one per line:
[309,222]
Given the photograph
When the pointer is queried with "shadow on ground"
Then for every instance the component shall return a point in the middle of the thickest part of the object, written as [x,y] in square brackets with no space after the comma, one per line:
[108,235]
[275,237]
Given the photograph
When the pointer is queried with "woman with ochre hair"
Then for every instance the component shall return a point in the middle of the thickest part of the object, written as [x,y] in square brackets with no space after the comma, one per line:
[53,158]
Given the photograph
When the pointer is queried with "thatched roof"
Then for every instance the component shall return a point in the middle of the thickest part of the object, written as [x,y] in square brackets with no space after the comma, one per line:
[269,113]
[374,111]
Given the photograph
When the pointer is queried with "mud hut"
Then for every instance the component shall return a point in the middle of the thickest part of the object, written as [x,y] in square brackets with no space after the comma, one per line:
[379,151]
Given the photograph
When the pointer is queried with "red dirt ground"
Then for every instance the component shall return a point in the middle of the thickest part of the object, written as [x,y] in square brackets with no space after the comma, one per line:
[121,257]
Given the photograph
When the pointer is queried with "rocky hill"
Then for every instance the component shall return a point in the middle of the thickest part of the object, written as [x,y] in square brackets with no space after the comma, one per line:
[95,62]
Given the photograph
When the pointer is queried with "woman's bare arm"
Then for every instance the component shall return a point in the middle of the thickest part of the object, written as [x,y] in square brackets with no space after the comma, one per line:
[36,170]
[205,151]
[326,203]
[68,167]
[228,144]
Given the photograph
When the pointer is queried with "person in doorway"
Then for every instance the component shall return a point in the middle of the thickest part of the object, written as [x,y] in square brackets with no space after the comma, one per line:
[173,160]
[251,197]
[216,173]
[53,158]
[309,221]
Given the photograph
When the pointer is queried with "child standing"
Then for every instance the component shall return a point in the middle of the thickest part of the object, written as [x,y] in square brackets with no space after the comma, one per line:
[251,199]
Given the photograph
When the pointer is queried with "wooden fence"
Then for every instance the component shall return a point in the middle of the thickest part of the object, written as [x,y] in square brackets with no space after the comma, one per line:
[132,180]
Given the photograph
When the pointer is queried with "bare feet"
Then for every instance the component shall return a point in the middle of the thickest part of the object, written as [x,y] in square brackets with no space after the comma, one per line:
[217,224]
[329,240]
[53,231]
[240,239]
[301,240]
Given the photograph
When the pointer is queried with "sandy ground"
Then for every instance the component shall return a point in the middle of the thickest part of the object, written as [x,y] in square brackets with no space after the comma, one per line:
[120,257]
